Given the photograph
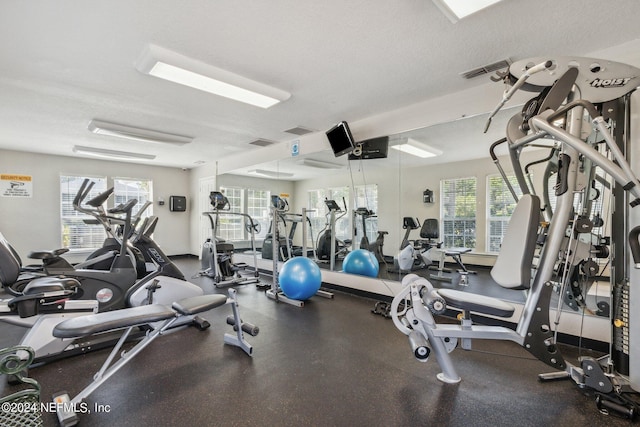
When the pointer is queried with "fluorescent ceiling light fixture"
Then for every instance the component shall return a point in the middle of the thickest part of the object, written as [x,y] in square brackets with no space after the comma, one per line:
[137,134]
[416,148]
[112,154]
[458,9]
[271,174]
[165,64]
[319,164]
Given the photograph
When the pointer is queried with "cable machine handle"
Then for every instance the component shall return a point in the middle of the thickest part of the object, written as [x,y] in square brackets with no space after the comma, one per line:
[508,94]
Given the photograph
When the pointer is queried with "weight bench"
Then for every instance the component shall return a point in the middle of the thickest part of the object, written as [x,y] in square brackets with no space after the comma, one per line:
[131,318]
[439,255]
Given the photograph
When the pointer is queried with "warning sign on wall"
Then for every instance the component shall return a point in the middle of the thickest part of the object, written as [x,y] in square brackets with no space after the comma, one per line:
[12,185]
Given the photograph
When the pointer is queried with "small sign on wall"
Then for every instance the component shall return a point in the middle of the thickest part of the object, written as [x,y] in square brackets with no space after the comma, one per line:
[13,185]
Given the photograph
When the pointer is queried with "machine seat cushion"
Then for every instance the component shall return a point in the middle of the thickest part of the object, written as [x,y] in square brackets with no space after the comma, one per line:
[110,320]
[477,303]
[456,251]
[512,268]
[199,304]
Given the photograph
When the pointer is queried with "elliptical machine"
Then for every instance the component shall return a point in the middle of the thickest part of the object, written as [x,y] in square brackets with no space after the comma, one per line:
[277,237]
[119,286]
[217,254]
[330,247]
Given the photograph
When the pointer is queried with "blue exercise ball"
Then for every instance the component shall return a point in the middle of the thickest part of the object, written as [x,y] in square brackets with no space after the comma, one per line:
[362,262]
[300,278]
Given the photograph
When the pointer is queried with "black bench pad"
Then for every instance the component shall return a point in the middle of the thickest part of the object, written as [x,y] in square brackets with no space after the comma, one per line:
[478,303]
[110,320]
[199,304]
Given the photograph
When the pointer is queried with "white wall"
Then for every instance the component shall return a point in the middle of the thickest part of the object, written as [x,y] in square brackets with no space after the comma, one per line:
[34,223]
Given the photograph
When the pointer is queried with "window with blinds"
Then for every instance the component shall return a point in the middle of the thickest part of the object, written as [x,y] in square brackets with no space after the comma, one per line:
[500,206]
[258,202]
[141,190]
[76,233]
[458,212]
[230,227]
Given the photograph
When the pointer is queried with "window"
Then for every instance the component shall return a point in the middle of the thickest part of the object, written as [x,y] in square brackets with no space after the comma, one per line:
[500,206]
[343,225]
[458,212]
[320,218]
[315,203]
[230,227]
[141,190]
[253,202]
[367,196]
[258,203]
[76,234]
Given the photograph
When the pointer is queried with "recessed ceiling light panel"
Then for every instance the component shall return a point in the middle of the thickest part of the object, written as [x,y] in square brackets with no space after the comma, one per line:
[458,9]
[416,148]
[165,64]
[111,154]
[270,173]
[137,134]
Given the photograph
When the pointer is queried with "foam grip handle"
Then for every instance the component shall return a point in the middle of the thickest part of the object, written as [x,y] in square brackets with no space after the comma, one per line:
[232,320]
[250,329]
[419,346]
[634,242]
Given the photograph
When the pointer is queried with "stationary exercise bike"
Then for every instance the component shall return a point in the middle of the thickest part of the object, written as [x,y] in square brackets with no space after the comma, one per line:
[377,246]
[409,258]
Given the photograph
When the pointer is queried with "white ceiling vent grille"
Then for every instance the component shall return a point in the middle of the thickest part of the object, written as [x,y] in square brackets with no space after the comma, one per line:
[299,130]
[486,69]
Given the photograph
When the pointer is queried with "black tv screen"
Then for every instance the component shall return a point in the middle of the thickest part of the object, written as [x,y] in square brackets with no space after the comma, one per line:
[340,139]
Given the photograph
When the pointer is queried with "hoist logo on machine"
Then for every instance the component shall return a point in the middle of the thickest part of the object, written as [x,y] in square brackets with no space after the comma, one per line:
[610,82]
[156,255]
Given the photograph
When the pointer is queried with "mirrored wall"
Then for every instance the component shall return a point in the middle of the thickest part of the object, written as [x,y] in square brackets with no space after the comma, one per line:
[468,198]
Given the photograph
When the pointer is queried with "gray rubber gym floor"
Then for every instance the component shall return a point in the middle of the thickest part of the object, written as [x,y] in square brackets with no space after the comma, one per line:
[330,363]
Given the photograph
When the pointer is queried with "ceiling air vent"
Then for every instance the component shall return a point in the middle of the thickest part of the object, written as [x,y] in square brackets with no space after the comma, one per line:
[299,131]
[486,69]
[262,142]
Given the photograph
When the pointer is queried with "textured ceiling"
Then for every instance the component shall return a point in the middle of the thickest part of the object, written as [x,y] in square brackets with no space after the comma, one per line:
[63,63]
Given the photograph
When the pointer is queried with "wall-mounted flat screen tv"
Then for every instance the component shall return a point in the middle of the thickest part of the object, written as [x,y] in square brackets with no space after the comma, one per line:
[341,139]
[375,148]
